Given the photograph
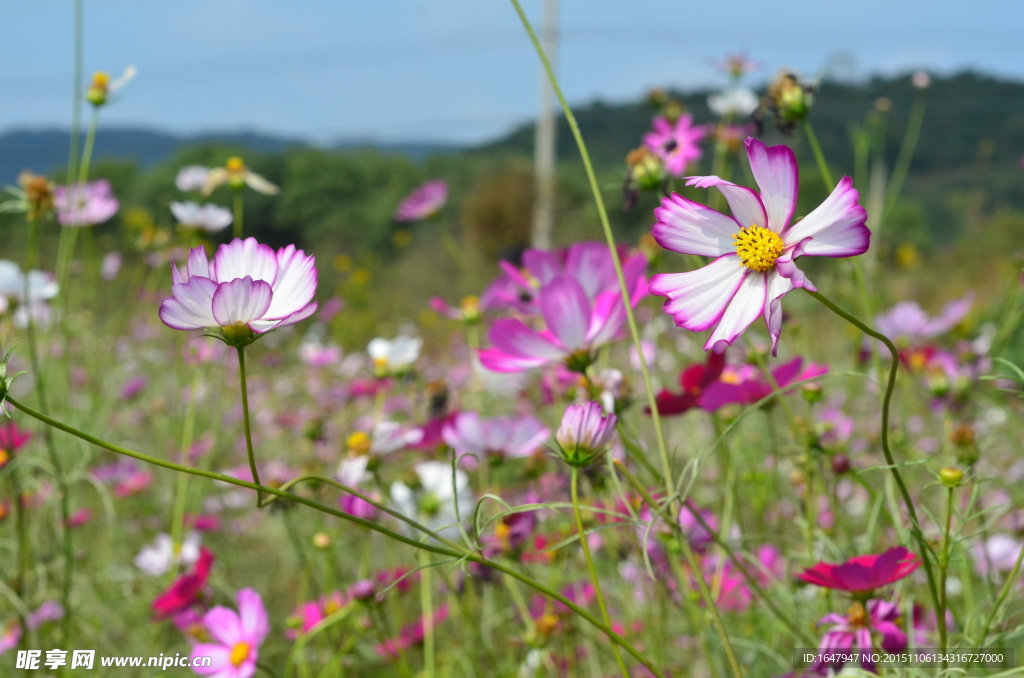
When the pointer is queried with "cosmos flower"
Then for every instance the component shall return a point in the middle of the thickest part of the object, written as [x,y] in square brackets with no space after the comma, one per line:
[111,265]
[497,438]
[432,502]
[192,178]
[906,322]
[246,290]
[394,356]
[314,353]
[101,86]
[238,637]
[159,557]
[856,628]
[424,202]
[676,143]
[575,326]
[747,384]
[41,288]
[863,573]
[755,249]
[998,553]
[735,102]
[12,439]
[585,433]
[693,380]
[85,205]
[737,65]
[185,590]
[237,176]
[209,217]
[10,636]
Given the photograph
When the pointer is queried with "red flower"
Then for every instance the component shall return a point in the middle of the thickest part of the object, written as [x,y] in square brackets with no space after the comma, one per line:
[694,379]
[11,440]
[863,573]
[185,589]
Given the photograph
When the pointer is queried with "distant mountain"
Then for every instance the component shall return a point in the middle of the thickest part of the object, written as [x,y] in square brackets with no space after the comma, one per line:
[47,150]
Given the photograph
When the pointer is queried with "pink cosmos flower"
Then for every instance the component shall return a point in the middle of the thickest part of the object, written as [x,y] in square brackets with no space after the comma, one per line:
[497,438]
[186,589]
[737,65]
[246,290]
[585,432]
[12,439]
[411,635]
[79,518]
[85,205]
[575,326]
[589,263]
[238,637]
[856,628]
[863,573]
[906,322]
[111,265]
[49,611]
[756,247]
[676,143]
[10,636]
[424,202]
[747,383]
[693,380]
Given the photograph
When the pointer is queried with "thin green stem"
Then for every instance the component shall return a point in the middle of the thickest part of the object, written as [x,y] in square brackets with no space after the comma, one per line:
[899,172]
[427,602]
[886,450]
[245,423]
[819,157]
[23,553]
[69,234]
[610,238]
[77,97]
[691,560]
[472,556]
[239,212]
[590,565]
[1003,592]
[943,569]
[181,488]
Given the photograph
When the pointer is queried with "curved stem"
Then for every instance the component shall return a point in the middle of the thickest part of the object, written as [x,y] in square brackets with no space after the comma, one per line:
[473,556]
[590,565]
[248,430]
[894,366]
[603,215]
[819,157]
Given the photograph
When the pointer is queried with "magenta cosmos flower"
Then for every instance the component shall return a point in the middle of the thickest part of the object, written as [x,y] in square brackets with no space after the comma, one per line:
[863,573]
[495,439]
[747,384]
[856,628]
[424,202]
[755,249]
[86,204]
[676,143]
[245,291]
[238,637]
[575,326]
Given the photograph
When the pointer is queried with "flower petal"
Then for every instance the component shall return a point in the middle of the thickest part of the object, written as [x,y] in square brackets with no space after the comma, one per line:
[542,264]
[606,319]
[691,228]
[776,173]
[697,299]
[240,258]
[300,315]
[190,306]
[778,287]
[224,625]
[746,207]
[255,624]
[497,360]
[566,311]
[295,283]
[836,225]
[241,300]
[786,267]
[746,305]
[511,336]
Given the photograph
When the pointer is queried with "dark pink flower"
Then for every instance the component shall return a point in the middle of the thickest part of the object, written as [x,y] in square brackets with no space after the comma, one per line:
[676,143]
[747,384]
[186,589]
[863,573]
[693,380]
[856,630]
[424,202]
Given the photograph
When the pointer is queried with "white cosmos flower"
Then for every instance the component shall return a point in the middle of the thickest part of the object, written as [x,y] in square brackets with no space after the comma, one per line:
[192,178]
[737,102]
[432,504]
[394,355]
[41,288]
[209,217]
[158,558]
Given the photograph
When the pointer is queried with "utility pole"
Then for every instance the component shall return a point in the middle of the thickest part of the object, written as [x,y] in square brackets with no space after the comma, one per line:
[544,138]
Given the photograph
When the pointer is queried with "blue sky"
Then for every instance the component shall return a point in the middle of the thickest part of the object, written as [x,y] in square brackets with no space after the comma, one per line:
[453,70]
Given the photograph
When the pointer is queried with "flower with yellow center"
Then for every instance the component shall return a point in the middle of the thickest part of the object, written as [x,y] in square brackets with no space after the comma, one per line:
[101,86]
[754,249]
[239,653]
[237,176]
[359,443]
[5,457]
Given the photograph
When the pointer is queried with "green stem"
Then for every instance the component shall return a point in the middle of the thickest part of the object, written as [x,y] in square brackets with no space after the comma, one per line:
[427,601]
[459,552]
[590,566]
[819,157]
[691,560]
[23,553]
[69,234]
[943,569]
[1007,585]
[239,213]
[899,173]
[894,366]
[181,488]
[606,225]
[248,429]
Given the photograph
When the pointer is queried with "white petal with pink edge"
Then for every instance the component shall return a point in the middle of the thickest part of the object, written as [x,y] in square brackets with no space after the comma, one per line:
[745,307]
[295,284]
[786,266]
[190,306]
[566,311]
[511,336]
[688,227]
[606,319]
[837,225]
[498,361]
[241,301]
[240,258]
[697,299]
[746,207]
[778,177]
[778,287]
[297,317]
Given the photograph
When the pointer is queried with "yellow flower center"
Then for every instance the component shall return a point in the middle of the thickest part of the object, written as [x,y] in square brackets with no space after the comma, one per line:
[546,624]
[4,458]
[239,653]
[758,247]
[359,443]
[502,532]
[100,80]
[857,616]
[235,165]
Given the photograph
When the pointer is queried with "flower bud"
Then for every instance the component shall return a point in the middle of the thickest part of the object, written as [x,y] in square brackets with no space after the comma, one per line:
[789,100]
[363,590]
[38,194]
[965,446]
[644,169]
[98,89]
[840,464]
[951,477]
[321,540]
[585,433]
